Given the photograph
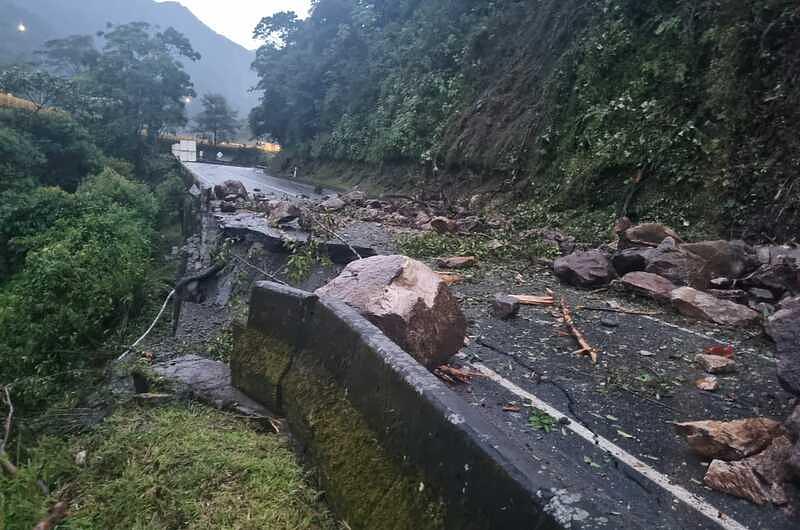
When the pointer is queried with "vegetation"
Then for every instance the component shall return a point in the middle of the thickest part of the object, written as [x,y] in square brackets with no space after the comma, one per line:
[217,118]
[171,467]
[679,111]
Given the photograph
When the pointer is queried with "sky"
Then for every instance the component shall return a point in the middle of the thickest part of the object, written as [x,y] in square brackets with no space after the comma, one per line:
[236,18]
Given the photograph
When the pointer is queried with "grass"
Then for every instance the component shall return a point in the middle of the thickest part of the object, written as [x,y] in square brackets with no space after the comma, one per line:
[167,468]
[539,420]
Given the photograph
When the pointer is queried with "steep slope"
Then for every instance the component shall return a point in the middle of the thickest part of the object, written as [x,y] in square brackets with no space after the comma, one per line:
[224,67]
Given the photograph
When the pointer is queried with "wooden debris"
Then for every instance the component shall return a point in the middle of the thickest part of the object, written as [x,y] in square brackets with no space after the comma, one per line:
[526,299]
[450,278]
[455,375]
[511,408]
[456,262]
[586,348]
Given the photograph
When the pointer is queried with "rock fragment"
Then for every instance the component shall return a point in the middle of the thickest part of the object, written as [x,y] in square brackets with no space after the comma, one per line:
[230,187]
[456,262]
[731,259]
[444,225]
[333,204]
[678,266]
[408,301]
[505,306]
[715,364]
[697,304]
[589,268]
[784,328]
[648,284]
[647,235]
[708,383]
[729,440]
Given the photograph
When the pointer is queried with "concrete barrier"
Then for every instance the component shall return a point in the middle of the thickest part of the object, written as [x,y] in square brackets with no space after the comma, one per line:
[392,445]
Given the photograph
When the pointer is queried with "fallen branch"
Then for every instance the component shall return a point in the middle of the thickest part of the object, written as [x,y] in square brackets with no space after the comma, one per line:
[55,515]
[262,271]
[586,348]
[334,234]
[526,299]
[450,278]
[455,375]
[5,463]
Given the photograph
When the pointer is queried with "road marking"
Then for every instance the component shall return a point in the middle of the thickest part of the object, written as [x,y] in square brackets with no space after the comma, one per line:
[620,454]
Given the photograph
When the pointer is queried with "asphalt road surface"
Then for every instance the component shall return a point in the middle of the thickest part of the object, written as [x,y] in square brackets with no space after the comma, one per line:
[252,178]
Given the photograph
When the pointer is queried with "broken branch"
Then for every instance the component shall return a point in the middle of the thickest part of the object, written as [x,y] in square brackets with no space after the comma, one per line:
[455,375]
[525,299]
[586,348]
[334,234]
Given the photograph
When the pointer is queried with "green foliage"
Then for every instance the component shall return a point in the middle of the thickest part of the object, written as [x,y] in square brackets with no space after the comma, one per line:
[433,245]
[217,118]
[108,188]
[539,420]
[168,468]
[39,87]
[303,259]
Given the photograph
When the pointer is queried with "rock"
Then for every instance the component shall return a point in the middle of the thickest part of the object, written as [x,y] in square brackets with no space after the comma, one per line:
[793,462]
[333,204]
[227,207]
[761,295]
[715,364]
[779,278]
[630,260]
[468,224]
[565,244]
[476,202]
[708,383]
[505,306]
[444,225]
[651,285]
[456,262]
[678,266]
[733,295]
[760,479]
[231,198]
[792,424]
[696,304]
[408,301]
[230,187]
[731,259]
[283,212]
[784,329]
[609,322]
[647,235]
[622,224]
[355,197]
[584,269]
[729,440]
[774,254]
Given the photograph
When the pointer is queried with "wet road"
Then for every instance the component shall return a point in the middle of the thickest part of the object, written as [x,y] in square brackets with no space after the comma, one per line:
[253,179]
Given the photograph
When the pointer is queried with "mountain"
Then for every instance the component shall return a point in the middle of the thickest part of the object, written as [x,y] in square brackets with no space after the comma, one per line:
[224,67]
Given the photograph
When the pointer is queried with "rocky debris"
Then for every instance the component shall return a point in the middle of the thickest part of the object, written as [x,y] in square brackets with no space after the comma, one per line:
[729,440]
[696,304]
[356,197]
[731,259]
[465,225]
[230,187]
[774,254]
[281,212]
[444,225]
[761,295]
[589,268]
[456,262]
[646,235]
[408,301]
[333,204]
[678,266]
[707,383]
[505,306]
[792,426]
[651,285]
[760,478]
[227,207]
[779,278]
[733,295]
[715,364]
[630,260]
[784,328]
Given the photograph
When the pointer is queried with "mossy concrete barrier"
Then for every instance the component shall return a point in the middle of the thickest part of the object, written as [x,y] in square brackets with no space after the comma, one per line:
[393,446]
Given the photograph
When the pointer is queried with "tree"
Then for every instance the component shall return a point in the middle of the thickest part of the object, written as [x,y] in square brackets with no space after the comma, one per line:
[217,118]
[40,88]
[71,55]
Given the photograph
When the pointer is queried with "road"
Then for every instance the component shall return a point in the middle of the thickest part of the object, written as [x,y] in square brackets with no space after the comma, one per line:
[253,179]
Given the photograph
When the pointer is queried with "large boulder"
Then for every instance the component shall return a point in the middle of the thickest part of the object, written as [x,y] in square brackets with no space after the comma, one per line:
[646,235]
[333,204]
[230,187]
[281,212]
[729,440]
[589,268]
[677,265]
[632,259]
[444,225]
[697,304]
[784,328]
[729,259]
[408,301]
[647,284]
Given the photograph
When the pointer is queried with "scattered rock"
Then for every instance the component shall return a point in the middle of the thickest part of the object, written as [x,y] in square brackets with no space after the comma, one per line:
[355,197]
[505,306]
[731,259]
[333,204]
[230,187]
[774,254]
[780,277]
[444,225]
[733,295]
[784,328]
[697,304]
[647,235]
[708,383]
[649,284]
[729,440]
[678,266]
[715,364]
[408,301]
[630,260]
[450,278]
[227,207]
[456,262]
[589,268]
[283,212]
[760,479]
[609,322]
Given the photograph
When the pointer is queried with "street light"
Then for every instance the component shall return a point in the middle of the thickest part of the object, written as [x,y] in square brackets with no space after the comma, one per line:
[21,28]
[187,99]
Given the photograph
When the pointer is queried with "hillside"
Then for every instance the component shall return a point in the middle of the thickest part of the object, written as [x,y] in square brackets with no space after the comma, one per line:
[224,67]
[680,111]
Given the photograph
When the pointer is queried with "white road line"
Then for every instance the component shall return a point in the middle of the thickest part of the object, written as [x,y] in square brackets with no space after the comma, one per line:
[645,470]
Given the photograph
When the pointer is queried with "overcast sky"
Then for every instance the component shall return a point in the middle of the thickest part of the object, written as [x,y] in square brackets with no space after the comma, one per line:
[236,18]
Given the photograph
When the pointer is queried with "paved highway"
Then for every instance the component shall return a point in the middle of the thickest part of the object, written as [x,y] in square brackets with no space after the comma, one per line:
[252,178]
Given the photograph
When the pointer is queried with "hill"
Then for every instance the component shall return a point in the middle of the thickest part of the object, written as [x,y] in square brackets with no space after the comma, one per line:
[224,67]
